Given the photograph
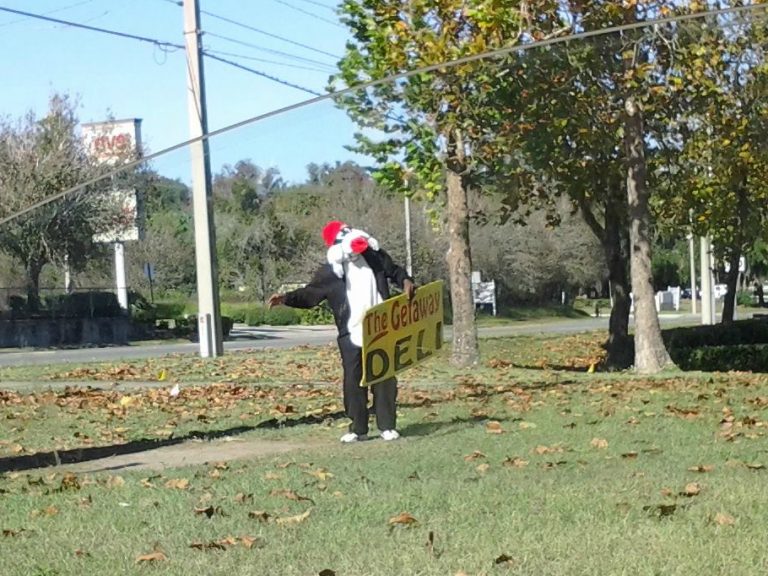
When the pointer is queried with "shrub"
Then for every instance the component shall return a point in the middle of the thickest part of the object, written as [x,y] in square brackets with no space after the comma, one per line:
[281,316]
[744,298]
[86,305]
[754,331]
[238,311]
[317,316]
[170,309]
[255,315]
[748,357]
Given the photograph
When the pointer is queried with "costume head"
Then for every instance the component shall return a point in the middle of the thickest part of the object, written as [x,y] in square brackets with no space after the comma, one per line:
[345,244]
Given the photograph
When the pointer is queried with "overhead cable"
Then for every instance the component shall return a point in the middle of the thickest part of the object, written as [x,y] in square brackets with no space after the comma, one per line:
[490,54]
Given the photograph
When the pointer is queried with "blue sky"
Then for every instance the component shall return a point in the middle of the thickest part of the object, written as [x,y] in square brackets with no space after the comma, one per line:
[129,79]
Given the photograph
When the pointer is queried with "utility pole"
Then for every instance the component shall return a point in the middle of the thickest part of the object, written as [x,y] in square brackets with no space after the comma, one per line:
[208,316]
[692,253]
[408,251]
[707,284]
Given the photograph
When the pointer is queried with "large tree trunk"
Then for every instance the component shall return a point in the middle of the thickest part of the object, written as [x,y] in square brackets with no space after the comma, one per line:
[614,239]
[650,354]
[465,351]
[731,280]
[33,270]
[619,345]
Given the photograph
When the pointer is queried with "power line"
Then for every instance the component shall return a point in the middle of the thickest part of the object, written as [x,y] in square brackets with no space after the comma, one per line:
[209,51]
[260,73]
[491,54]
[265,33]
[159,43]
[308,13]
[3,25]
[269,50]
[260,31]
[331,8]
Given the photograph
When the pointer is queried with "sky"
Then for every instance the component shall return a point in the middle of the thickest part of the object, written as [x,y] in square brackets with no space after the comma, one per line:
[125,78]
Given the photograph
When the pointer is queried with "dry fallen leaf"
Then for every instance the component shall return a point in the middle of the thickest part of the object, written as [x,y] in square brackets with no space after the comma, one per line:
[115,482]
[483,468]
[209,511]
[600,443]
[242,498]
[701,468]
[259,515]
[474,456]
[293,519]
[504,559]
[177,483]
[321,474]
[291,495]
[156,556]
[494,427]
[403,519]
[629,455]
[70,482]
[724,519]
[691,489]
[515,462]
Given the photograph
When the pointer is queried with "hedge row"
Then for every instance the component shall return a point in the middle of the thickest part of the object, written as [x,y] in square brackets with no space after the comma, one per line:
[754,331]
[745,358]
[257,315]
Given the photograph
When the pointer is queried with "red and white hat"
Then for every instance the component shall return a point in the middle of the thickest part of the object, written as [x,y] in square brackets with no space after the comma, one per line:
[345,243]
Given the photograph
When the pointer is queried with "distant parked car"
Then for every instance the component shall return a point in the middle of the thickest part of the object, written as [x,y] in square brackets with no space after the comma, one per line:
[685,293]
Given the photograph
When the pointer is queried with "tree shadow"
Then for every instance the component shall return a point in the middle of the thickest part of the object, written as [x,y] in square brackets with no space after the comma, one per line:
[78,455]
[443,427]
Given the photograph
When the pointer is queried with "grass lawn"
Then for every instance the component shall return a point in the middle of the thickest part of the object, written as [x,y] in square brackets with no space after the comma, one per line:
[527,464]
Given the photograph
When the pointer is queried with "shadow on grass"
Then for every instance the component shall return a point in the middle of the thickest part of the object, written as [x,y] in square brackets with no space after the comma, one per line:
[78,455]
[441,428]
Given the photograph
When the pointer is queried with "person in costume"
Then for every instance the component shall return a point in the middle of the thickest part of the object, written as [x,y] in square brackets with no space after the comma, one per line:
[356,276]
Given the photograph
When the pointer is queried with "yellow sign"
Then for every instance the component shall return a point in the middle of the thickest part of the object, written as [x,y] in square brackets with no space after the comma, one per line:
[399,333]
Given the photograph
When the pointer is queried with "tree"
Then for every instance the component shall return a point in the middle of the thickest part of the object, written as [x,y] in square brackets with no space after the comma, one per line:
[433,134]
[713,157]
[38,158]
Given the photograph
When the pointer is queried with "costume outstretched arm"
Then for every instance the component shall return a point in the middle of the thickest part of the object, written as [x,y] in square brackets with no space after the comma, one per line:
[313,293]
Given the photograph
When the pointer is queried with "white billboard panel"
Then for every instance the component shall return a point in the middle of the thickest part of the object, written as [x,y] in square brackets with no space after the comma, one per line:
[115,142]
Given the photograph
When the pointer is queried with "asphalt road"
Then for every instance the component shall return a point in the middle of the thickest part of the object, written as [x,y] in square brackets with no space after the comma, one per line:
[248,338]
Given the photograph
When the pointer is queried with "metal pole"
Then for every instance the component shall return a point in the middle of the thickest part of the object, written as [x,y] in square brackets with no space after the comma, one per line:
[692,250]
[120,279]
[706,284]
[408,252]
[209,318]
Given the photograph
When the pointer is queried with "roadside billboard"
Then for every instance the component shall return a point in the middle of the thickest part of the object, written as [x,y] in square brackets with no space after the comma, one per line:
[114,142]
[398,333]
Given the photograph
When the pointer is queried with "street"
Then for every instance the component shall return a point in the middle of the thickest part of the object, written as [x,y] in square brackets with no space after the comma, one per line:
[265,337]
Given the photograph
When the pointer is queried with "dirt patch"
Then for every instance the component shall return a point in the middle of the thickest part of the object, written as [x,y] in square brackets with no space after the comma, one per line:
[189,453]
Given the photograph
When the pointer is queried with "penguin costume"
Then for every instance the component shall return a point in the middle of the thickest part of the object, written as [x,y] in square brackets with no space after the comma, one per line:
[355,277]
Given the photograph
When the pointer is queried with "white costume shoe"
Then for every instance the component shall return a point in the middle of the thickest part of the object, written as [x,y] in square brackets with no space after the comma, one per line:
[390,435]
[352,437]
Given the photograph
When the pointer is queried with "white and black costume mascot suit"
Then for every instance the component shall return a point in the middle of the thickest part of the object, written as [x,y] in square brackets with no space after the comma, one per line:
[355,278]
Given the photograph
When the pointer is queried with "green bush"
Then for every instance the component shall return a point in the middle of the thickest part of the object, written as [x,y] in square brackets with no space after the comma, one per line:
[170,309]
[255,315]
[238,311]
[754,331]
[748,357]
[744,298]
[317,316]
[282,316]
[85,305]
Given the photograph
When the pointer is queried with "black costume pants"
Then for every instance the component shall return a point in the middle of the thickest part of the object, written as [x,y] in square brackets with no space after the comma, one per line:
[356,396]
